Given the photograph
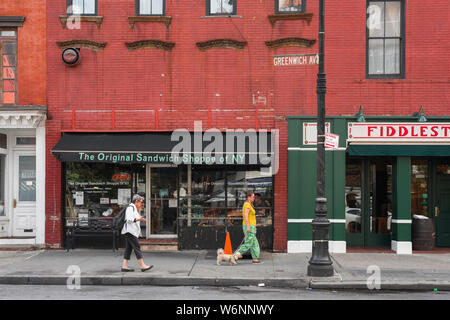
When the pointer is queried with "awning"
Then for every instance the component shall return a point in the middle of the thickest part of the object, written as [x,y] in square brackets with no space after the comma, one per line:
[398,150]
[166,148]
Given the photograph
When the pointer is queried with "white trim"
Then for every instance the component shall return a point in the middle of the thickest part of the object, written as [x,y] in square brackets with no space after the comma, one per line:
[401,221]
[310,220]
[40,185]
[305,246]
[401,247]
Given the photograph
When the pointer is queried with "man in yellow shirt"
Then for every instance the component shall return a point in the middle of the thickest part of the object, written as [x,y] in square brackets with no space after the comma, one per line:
[249,228]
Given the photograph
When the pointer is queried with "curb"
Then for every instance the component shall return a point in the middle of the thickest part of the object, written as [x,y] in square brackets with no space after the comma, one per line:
[388,285]
[122,280]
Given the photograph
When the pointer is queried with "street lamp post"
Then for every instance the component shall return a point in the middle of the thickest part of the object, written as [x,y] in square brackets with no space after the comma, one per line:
[320,264]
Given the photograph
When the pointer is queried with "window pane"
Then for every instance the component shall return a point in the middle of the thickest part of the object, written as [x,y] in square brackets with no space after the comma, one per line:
[392,56]
[419,187]
[9,73]
[9,48]
[221,6]
[77,7]
[353,196]
[26,141]
[376,56]
[10,33]
[9,61]
[393,19]
[157,6]
[27,178]
[9,97]
[9,85]
[375,22]
[89,6]
[145,7]
[290,5]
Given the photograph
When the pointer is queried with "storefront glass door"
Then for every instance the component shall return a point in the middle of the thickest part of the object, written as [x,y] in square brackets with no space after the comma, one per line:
[163,201]
[368,202]
[442,208]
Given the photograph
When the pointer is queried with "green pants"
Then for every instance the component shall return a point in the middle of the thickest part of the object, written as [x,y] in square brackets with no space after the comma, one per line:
[250,242]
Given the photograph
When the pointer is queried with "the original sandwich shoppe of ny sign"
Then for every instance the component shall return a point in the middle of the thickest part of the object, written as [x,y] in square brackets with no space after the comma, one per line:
[399,132]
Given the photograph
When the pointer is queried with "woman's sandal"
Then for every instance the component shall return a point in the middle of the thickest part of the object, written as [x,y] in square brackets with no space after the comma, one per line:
[256,261]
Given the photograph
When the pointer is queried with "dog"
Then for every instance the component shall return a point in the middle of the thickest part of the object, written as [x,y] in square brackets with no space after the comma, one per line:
[221,256]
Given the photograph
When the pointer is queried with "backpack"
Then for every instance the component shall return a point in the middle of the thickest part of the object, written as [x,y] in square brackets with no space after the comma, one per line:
[119,220]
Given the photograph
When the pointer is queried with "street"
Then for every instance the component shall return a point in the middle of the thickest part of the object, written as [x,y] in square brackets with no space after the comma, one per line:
[191,293]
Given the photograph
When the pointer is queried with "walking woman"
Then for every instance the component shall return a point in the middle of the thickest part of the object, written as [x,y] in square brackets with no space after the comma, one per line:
[132,231]
[249,228]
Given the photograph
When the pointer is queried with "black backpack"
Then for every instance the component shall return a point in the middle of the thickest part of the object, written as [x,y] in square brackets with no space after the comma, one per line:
[119,220]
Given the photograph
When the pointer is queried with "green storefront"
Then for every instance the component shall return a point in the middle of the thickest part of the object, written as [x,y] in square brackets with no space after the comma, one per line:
[385,173]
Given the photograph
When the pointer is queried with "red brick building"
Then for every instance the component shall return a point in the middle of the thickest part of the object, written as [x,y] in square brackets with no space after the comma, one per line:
[148,68]
[23,111]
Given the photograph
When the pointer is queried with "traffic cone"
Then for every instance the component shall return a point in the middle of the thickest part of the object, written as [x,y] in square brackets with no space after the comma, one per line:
[228,249]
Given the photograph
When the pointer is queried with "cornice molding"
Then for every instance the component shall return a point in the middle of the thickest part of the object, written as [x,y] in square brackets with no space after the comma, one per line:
[85,44]
[290,42]
[95,19]
[221,43]
[273,18]
[22,119]
[142,44]
[161,19]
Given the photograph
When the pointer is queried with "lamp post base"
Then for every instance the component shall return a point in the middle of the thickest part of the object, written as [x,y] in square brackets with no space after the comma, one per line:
[318,270]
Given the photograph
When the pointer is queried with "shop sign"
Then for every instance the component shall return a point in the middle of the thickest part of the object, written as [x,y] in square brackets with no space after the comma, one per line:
[331,140]
[398,132]
[295,60]
[122,176]
[310,132]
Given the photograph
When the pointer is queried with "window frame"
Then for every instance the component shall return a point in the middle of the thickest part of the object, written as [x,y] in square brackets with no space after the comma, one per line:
[277,8]
[70,2]
[5,39]
[209,14]
[138,9]
[401,74]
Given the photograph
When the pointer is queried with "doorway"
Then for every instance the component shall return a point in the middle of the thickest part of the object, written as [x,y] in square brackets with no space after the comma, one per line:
[368,199]
[442,207]
[24,194]
[162,181]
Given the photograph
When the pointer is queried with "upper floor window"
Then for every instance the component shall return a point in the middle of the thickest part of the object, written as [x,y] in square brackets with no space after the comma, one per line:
[150,7]
[220,7]
[82,7]
[8,67]
[385,39]
[290,6]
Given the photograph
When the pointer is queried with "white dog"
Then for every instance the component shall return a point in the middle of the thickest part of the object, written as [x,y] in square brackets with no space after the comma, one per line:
[221,256]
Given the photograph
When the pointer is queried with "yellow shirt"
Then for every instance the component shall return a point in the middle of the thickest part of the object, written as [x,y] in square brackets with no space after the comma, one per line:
[251,214]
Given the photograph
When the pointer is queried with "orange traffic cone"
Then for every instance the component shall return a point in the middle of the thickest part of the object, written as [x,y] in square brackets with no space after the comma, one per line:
[228,249]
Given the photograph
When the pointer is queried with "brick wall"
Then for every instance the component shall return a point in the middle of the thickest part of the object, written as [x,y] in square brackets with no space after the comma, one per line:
[153,89]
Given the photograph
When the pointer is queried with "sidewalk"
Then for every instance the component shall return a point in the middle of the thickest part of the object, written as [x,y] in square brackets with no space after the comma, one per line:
[198,268]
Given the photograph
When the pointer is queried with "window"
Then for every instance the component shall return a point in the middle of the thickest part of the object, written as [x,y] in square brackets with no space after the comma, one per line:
[385,39]
[289,6]
[82,7]
[8,67]
[150,7]
[221,7]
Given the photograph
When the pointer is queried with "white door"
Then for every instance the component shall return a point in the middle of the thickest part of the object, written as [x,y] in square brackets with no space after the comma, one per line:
[24,194]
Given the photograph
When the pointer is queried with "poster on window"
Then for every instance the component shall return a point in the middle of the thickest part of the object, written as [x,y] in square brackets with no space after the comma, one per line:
[124,196]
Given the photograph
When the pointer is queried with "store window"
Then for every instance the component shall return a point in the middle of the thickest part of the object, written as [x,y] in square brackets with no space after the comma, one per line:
[290,6]
[353,196]
[385,41]
[97,190]
[149,7]
[8,66]
[215,196]
[419,187]
[82,7]
[220,7]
